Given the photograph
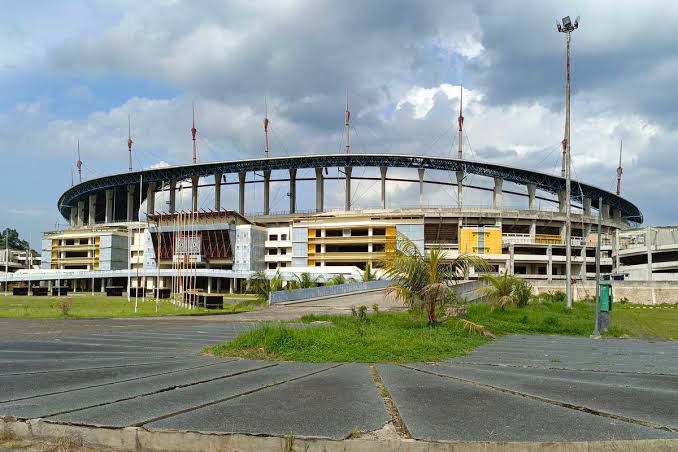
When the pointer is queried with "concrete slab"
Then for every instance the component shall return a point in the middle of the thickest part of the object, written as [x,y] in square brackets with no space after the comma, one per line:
[329,404]
[50,405]
[604,392]
[442,409]
[13,388]
[142,410]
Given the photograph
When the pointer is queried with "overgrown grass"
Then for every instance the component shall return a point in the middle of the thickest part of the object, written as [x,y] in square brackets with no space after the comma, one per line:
[384,337]
[402,337]
[102,306]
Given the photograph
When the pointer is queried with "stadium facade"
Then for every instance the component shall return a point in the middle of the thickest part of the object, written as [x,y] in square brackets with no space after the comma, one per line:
[118,234]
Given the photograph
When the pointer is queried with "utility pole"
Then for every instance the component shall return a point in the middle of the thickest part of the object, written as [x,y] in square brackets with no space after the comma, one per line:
[619,169]
[596,331]
[6,258]
[567,27]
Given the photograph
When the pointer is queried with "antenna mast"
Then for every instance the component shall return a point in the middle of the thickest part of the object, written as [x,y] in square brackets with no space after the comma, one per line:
[129,141]
[460,120]
[193,132]
[619,169]
[72,177]
[347,122]
[266,128]
[78,164]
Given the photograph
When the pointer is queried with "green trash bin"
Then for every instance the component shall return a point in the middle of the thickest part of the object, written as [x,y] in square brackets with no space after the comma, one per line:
[605,300]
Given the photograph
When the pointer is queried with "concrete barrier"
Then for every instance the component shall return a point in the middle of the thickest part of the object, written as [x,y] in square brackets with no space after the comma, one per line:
[468,290]
[288,296]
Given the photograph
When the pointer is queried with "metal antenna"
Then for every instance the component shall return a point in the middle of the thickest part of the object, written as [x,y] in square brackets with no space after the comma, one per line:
[72,177]
[347,122]
[460,120]
[567,27]
[266,127]
[619,169]
[193,132]
[78,164]
[129,141]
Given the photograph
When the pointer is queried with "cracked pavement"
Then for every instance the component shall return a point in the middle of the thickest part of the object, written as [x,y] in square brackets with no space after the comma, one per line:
[149,373]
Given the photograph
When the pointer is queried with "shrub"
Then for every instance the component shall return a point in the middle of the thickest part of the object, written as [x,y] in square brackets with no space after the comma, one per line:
[522,292]
[375,308]
[552,297]
[64,306]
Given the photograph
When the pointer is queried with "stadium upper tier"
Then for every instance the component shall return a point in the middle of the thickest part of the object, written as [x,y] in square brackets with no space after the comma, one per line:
[98,196]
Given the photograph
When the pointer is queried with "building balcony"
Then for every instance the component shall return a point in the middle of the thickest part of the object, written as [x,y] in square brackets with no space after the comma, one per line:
[354,239]
[278,258]
[278,244]
[348,256]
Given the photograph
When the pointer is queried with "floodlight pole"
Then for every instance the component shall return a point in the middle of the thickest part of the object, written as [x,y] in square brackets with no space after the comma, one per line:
[568,28]
[596,332]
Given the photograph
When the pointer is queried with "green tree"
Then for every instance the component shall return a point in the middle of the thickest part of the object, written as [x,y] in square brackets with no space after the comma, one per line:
[12,239]
[336,281]
[423,281]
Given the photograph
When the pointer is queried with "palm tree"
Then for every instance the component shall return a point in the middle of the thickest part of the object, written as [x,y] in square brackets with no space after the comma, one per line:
[260,285]
[369,274]
[336,281]
[423,280]
[506,290]
[303,281]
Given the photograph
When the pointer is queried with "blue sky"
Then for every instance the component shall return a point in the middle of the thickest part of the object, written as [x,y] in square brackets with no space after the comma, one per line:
[76,69]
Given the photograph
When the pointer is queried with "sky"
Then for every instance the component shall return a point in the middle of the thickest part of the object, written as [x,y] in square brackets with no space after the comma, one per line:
[76,69]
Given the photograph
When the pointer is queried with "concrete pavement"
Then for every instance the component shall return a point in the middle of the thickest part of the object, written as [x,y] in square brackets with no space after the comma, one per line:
[148,373]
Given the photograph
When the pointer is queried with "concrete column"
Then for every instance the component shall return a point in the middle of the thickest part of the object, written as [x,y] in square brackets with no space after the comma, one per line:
[586,206]
[531,196]
[460,182]
[73,216]
[230,285]
[195,180]
[382,171]
[267,192]
[616,249]
[209,284]
[606,212]
[130,202]
[293,189]
[319,190]
[421,187]
[511,259]
[150,198]
[648,243]
[217,191]
[347,171]
[562,202]
[582,269]
[92,209]
[549,265]
[616,214]
[81,213]
[497,199]
[109,206]
[218,285]
[533,231]
[173,196]
[241,192]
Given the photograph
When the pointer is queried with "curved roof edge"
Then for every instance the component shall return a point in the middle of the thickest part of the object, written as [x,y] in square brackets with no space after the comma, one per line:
[543,181]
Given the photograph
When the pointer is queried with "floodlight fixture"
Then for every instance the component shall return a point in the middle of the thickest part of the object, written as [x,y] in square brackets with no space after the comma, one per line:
[566,26]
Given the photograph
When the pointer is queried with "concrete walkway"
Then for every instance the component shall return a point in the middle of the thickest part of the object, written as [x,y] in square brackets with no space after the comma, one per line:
[149,374]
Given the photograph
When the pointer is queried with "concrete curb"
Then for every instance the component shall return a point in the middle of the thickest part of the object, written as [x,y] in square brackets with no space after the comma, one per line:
[141,439]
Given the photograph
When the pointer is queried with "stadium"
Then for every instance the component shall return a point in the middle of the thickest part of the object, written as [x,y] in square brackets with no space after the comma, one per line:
[117,235]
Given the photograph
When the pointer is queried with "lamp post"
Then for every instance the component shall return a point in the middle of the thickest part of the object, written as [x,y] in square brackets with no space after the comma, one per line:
[567,27]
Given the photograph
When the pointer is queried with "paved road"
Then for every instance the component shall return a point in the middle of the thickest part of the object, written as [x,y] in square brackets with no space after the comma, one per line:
[118,373]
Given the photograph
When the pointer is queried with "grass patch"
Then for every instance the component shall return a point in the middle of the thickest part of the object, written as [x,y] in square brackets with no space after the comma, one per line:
[402,337]
[82,305]
[384,337]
